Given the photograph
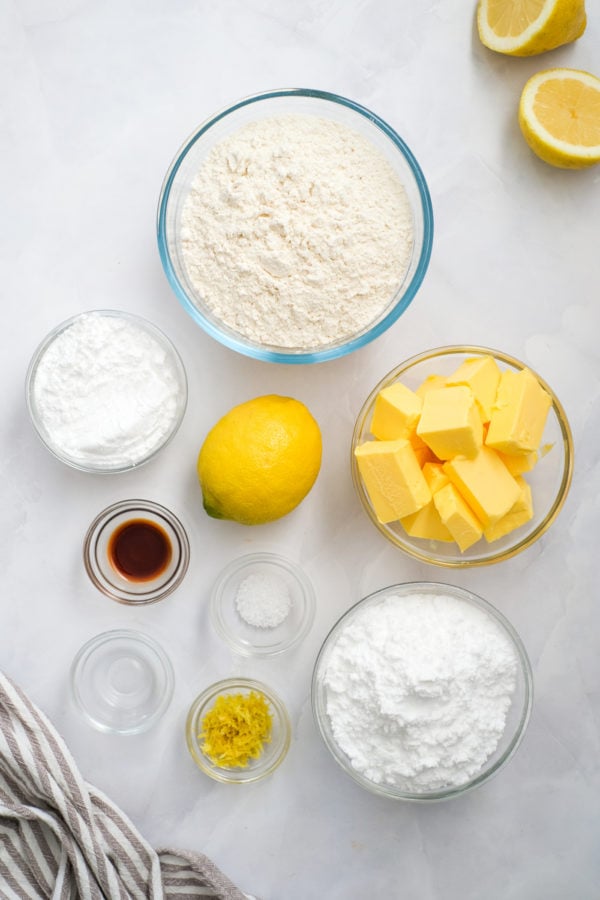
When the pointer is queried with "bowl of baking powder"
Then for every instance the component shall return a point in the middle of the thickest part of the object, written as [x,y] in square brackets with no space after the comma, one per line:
[106,390]
[295,226]
[422,691]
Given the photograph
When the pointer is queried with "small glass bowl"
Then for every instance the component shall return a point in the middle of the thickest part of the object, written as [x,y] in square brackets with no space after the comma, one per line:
[194,152]
[274,751]
[122,681]
[97,462]
[518,714]
[549,480]
[254,640]
[107,578]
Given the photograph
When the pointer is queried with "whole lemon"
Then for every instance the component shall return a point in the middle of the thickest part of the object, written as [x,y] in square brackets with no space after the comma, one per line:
[260,460]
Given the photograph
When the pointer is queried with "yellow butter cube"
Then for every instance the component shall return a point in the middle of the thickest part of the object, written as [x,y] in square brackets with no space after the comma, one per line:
[393,478]
[450,423]
[427,524]
[517,465]
[458,518]
[435,476]
[422,451]
[521,512]
[482,375]
[485,483]
[396,413]
[431,383]
[519,413]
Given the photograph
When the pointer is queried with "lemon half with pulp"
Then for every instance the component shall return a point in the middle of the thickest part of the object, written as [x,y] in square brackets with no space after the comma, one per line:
[528,27]
[559,115]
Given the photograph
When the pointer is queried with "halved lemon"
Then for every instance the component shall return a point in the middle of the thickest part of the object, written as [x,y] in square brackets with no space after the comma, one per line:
[527,27]
[559,115]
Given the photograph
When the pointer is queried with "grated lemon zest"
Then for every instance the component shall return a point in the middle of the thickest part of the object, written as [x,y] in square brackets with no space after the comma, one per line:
[236,729]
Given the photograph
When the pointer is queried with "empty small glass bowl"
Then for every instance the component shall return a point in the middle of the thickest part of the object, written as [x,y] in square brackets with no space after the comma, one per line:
[136,552]
[122,681]
[255,589]
[113,426]
[274,751]
[193,154]
[549,480]
[518,714]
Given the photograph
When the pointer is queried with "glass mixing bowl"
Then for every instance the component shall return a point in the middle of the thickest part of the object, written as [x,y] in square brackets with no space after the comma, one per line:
[518,714]
[274,751]
[192,155]
[161,418]
[550,479]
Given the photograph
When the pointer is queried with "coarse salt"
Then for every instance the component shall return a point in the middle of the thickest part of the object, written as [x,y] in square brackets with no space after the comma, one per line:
[263,600]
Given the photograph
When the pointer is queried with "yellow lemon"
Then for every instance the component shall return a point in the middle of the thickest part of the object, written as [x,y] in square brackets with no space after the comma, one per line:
[260,460]
[559,115]
[528,27]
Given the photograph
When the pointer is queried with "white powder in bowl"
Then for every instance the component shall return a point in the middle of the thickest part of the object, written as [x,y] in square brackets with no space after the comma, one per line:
[263,600]
[297,232]
[106,392]
[418,689]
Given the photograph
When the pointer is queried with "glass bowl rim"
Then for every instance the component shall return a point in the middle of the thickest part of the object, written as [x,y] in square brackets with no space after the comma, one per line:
[137,505]
[256,351]
[407,588]
[229,685]
[147,326]
[568,452]
[140,637]
[282,562]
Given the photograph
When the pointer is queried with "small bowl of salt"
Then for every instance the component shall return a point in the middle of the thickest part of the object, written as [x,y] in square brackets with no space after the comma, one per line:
[262,604]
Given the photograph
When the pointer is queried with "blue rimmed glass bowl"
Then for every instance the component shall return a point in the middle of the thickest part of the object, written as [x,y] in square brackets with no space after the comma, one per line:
[194,152]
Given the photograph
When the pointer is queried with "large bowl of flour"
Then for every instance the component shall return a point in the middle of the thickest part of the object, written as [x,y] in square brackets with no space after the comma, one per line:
[422,691]
[295,226]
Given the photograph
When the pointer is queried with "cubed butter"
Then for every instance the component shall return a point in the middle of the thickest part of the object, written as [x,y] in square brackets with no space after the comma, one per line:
[485,483]
[520,513]
[396,412]
[393,478]
[422,452]
[482,375]
[519,413]
[518,464]
[427,524]
[450,423]
[435,476]
[431,383]
[458,518]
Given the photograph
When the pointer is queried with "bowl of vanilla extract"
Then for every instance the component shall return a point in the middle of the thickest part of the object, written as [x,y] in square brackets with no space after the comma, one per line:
[136,552]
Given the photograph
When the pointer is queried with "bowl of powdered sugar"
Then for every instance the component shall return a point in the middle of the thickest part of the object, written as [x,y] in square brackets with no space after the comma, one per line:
[295,226]
[106,390]
[422,691]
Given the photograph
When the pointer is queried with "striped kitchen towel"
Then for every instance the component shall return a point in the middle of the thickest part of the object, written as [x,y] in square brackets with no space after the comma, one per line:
[61,838]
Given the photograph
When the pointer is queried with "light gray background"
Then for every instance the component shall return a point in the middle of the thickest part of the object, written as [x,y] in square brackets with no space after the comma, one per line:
[96,99]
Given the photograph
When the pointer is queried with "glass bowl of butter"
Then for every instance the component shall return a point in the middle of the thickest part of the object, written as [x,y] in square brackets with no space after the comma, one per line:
[462,456]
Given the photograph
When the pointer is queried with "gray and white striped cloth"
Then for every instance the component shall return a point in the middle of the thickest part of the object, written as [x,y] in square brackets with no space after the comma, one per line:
[60,838]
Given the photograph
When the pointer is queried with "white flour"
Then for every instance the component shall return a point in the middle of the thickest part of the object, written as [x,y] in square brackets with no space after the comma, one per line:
[106,392]
[296,232]
[418,690]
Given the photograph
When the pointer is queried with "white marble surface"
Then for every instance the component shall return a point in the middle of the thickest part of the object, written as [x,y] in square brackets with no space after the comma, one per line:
[96,99]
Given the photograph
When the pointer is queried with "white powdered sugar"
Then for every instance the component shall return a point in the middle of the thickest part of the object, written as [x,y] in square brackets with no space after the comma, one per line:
[418,689]
[296,232]
[106,392]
